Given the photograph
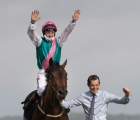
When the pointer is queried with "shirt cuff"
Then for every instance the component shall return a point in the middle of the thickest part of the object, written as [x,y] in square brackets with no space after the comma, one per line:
[32,21]
[127,95]
[73,22]
[64,104]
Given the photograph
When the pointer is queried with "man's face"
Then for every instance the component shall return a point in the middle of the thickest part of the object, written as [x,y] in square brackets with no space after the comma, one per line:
[49,34]
[94,86]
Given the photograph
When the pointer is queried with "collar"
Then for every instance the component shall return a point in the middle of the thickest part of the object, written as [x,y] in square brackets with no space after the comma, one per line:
[49,39]
[97,94]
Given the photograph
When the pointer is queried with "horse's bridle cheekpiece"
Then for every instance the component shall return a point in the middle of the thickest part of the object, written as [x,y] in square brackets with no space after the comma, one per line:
[48,115]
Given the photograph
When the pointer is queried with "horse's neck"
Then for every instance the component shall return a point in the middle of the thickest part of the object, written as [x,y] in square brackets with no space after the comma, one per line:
[49,97]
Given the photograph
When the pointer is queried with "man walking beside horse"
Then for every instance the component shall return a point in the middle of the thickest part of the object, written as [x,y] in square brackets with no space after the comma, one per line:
[95,101]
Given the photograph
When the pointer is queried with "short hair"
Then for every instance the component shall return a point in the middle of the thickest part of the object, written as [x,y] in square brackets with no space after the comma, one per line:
[92,77]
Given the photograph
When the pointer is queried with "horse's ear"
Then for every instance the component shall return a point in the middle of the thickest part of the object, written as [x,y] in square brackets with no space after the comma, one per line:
[64,64]
[50,61]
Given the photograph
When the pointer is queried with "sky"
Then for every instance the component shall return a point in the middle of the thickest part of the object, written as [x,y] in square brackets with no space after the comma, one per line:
[105,42]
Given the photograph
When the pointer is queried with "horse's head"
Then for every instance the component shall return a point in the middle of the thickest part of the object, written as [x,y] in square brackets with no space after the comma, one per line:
[57,76]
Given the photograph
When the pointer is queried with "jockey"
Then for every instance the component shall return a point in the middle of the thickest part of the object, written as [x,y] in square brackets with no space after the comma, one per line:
[47,47]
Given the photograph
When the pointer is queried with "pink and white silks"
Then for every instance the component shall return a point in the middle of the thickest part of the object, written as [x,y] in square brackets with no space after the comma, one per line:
[45,63]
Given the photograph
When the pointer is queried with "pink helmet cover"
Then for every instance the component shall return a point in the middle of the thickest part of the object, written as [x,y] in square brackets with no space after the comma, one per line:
[52,25]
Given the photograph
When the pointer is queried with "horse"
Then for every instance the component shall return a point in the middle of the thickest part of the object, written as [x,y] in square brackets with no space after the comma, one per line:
[48,107]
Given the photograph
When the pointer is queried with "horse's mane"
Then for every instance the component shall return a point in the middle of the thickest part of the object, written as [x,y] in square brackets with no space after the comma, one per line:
[50,68]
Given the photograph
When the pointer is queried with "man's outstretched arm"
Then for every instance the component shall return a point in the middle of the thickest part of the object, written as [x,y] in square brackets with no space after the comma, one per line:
[68,104]
[63,37]
[36,39]
[119,100]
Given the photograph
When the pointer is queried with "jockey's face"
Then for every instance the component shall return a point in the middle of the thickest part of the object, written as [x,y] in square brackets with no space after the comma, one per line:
[49,34]
[94,86]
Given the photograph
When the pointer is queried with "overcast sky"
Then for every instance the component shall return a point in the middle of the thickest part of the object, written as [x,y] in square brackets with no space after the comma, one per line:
[105,41]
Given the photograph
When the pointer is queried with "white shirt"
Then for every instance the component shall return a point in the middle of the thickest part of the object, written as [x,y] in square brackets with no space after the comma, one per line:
[102,99]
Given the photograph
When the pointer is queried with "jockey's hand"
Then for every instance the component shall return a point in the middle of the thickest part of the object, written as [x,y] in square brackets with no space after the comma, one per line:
[34,15]
[126,91]
[76,15]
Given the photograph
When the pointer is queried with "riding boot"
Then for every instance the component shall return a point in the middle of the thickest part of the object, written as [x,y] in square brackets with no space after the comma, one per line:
[33,99]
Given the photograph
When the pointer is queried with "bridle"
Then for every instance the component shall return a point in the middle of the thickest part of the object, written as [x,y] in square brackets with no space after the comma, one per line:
[56,94]
[56,91]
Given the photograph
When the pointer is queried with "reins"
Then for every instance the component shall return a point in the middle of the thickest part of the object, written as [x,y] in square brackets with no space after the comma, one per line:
[49,115]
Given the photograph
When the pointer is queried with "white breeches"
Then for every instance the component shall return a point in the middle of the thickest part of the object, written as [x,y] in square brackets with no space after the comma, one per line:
[41,82]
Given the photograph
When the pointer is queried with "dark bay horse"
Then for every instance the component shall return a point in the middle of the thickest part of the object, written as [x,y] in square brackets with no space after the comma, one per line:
[48,106]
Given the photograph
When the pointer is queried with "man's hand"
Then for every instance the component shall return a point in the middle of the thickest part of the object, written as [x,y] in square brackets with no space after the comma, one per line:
[126,91]
[76,15]
[34,15]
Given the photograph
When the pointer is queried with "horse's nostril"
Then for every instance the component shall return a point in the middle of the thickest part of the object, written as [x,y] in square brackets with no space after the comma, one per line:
[60,92]
[66,91]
